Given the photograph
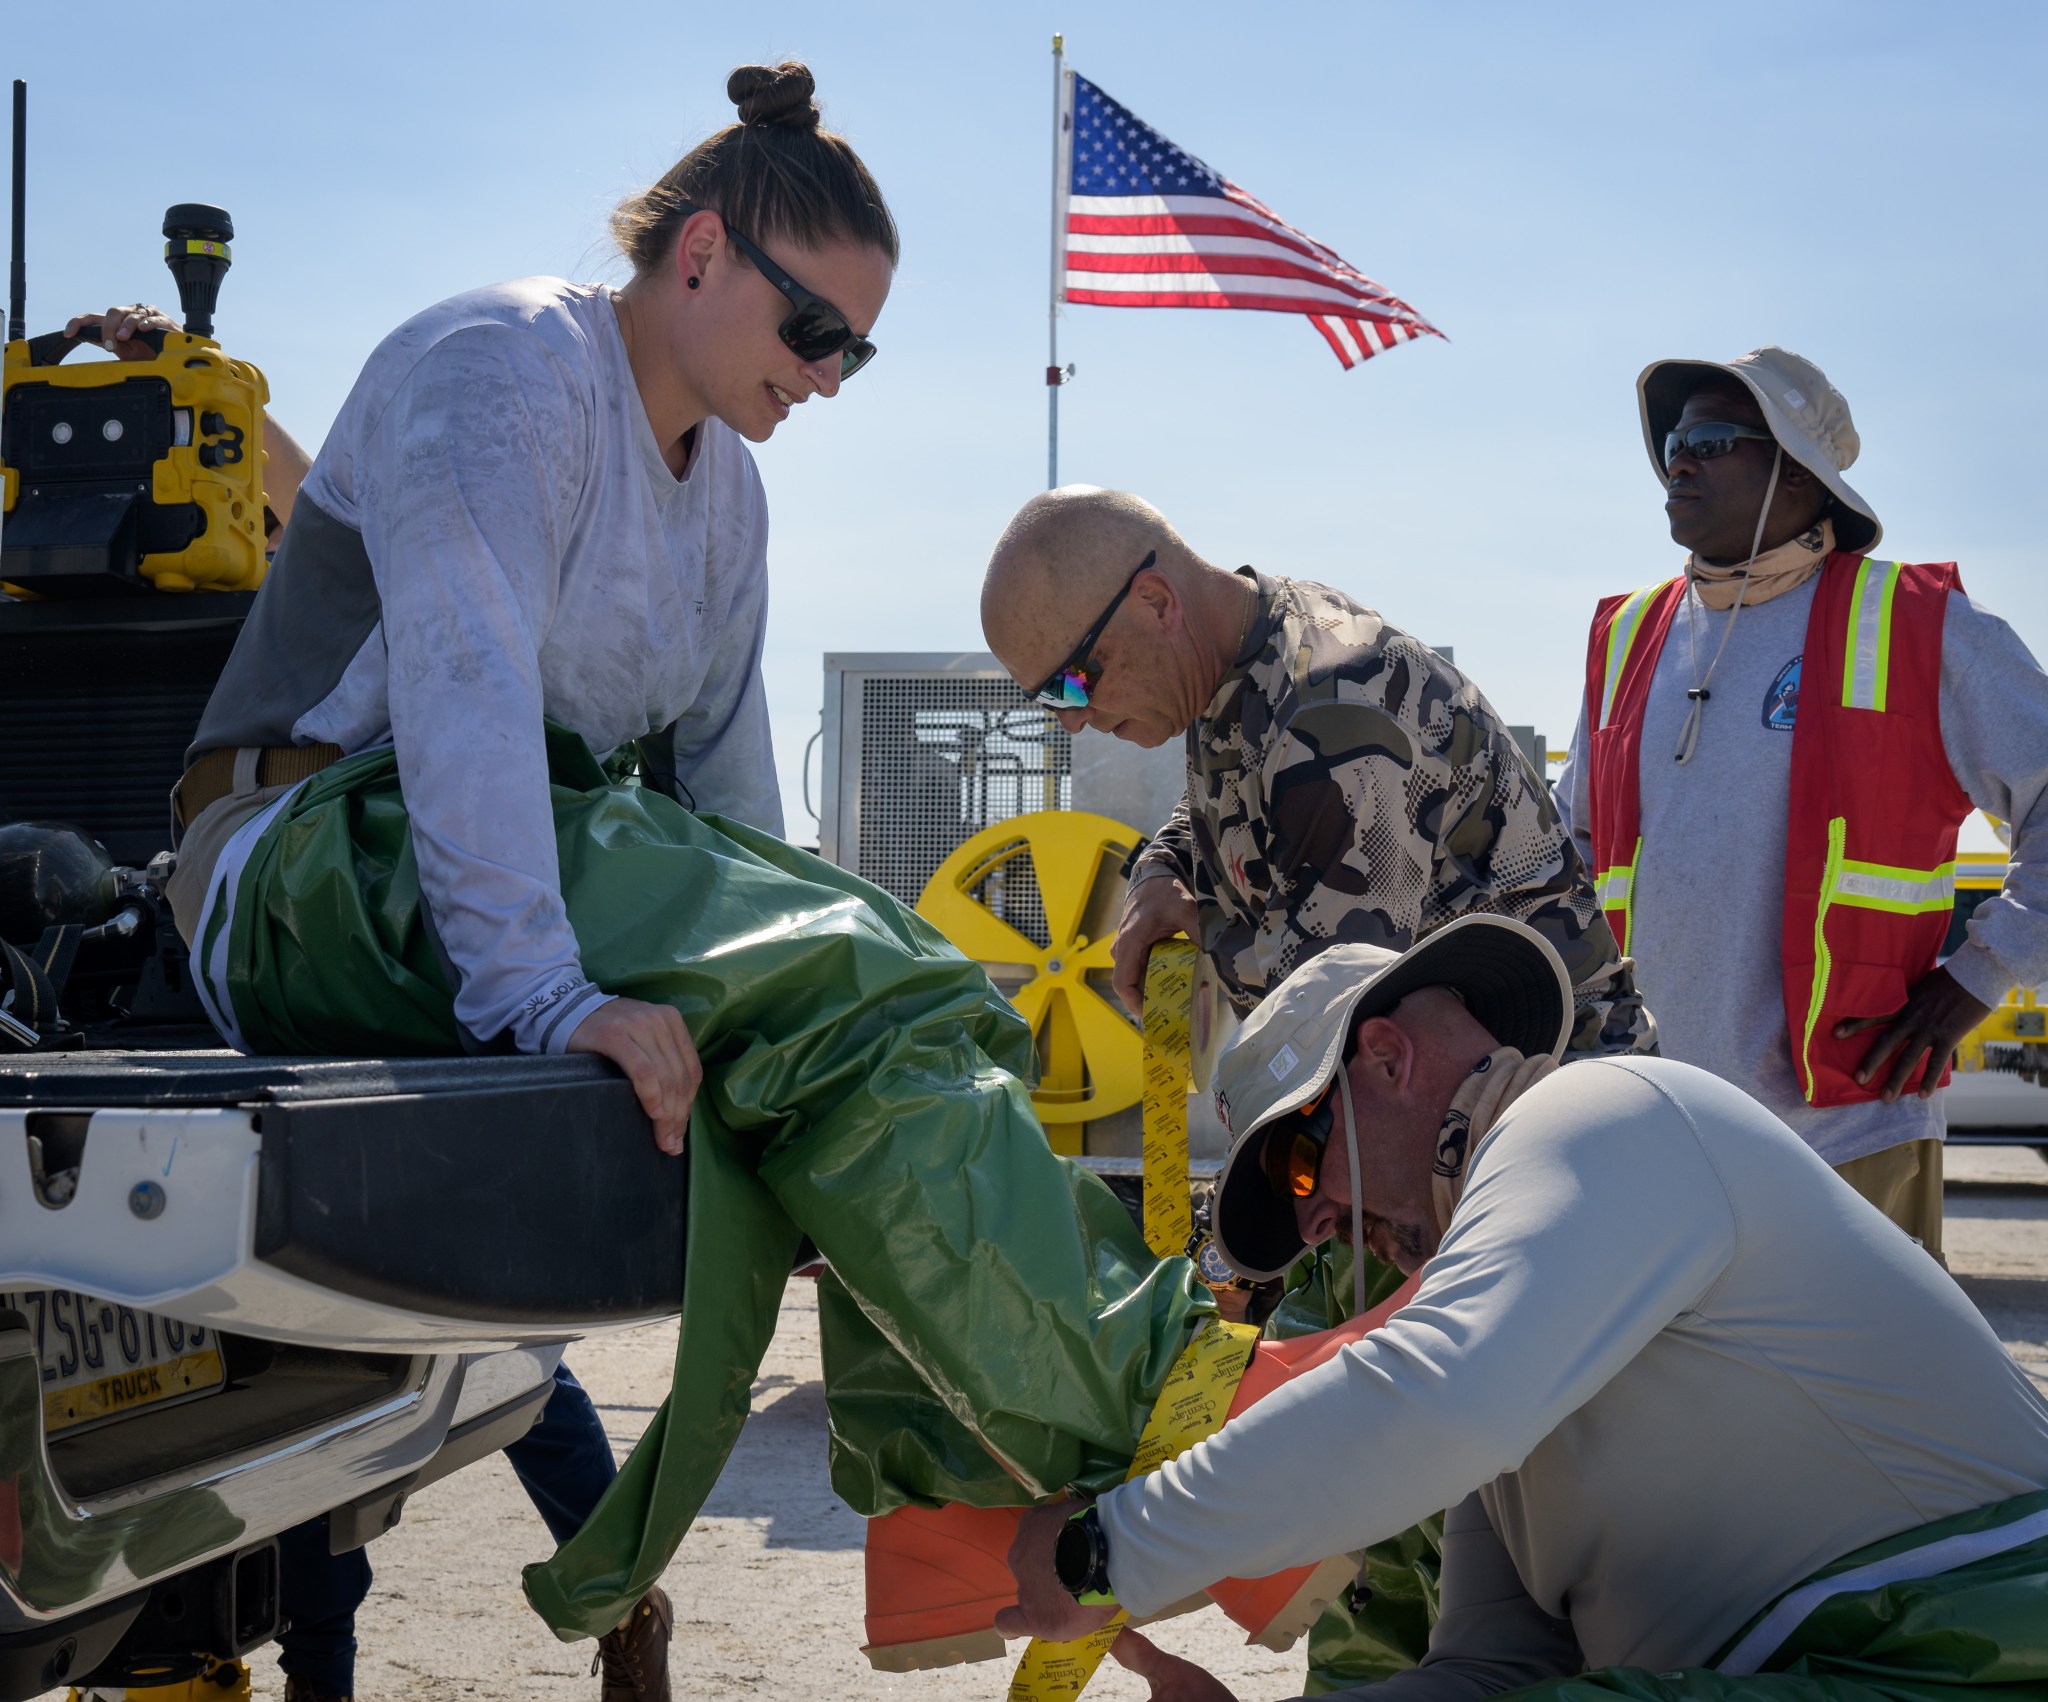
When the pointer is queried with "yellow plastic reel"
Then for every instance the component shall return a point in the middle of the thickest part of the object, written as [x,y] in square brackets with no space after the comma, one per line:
[223,1681]
[1091,1061]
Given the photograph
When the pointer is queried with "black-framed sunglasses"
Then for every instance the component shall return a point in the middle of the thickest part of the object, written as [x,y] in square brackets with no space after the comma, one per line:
[1708,440]
[813,327]
[1069,685]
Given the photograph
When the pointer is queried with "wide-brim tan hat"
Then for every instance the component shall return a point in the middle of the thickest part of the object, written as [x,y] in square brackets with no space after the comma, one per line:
[1805,413]
[1510,977]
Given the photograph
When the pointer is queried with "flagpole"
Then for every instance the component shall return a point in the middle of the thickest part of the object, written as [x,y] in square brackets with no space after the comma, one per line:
[1053,376]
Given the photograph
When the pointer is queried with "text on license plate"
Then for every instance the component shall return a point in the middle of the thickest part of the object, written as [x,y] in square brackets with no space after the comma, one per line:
[101,1359]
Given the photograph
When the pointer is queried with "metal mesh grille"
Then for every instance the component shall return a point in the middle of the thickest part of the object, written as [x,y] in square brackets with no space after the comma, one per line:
[941,758]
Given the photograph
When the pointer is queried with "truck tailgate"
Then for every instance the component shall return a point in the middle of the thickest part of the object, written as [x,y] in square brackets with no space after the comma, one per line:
[410,1203]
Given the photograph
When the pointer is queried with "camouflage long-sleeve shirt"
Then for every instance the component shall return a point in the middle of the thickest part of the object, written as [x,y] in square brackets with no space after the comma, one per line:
[1347,783]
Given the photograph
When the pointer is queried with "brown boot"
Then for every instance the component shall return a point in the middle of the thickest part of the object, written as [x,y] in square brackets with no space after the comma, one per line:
[305,1690]
[635,1656]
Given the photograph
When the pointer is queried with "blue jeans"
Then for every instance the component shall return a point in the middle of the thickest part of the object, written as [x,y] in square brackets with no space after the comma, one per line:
[564,1463]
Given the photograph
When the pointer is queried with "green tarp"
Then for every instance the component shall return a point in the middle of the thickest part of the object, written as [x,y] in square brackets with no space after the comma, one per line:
[995,1328]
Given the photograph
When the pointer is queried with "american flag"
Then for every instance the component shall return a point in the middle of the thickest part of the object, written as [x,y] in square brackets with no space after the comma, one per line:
[1146,224]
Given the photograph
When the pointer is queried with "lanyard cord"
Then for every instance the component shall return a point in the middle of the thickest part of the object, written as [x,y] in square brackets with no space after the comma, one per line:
[1357,1210]
[1689,735]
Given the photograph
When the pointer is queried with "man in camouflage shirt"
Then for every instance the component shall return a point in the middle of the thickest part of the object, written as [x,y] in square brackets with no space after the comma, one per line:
[1345,782]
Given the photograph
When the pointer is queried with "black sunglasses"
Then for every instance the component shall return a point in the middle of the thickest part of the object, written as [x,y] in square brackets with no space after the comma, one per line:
[813,327]
[1708,440]
[1068,685]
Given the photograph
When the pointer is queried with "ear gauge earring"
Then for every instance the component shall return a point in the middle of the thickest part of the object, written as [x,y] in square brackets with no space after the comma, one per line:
[694,281]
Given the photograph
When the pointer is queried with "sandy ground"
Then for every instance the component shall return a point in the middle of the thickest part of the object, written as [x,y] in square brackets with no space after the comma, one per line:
[768,1587]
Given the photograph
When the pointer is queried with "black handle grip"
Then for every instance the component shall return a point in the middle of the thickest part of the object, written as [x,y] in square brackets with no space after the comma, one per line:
[51,348]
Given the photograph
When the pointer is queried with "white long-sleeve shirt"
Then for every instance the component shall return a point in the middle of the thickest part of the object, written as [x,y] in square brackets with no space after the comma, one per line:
[495,539]
[1664,1365]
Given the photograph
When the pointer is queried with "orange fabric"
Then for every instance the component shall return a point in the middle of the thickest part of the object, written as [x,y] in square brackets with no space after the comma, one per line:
[938,1576]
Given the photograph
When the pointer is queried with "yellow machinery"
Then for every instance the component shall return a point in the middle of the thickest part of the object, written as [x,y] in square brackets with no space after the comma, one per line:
[1089,1052]
[2014,1037]
[118,477]
[222,1681]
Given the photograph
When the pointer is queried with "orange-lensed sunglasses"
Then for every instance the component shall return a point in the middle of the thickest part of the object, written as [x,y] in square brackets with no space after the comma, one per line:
[1292,1157]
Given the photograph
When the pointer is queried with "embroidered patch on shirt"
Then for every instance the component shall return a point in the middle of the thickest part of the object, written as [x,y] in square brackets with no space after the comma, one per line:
[1781,702]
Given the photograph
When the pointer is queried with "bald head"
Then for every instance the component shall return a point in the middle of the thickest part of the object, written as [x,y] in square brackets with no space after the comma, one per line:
[1060,560]
[1061,563]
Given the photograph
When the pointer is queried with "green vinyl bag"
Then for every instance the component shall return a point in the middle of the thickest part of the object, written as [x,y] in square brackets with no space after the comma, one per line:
[997,1329]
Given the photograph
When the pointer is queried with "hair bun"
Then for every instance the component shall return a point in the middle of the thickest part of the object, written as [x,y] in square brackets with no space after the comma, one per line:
[775,94]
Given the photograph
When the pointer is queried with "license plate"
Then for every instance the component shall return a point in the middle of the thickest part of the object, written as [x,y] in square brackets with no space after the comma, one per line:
[101,1360]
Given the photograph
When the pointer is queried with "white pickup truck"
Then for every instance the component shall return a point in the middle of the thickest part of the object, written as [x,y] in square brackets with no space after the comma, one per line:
[237,1294]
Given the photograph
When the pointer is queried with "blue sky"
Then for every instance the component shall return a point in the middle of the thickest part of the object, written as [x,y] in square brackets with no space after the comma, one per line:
[1568,191]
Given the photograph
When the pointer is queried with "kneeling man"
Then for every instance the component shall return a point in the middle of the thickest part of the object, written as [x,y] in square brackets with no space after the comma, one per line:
[1692,1401]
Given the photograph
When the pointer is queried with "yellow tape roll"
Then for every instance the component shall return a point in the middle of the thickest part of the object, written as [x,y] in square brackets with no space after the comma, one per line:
[1169,998]
[1192,1405]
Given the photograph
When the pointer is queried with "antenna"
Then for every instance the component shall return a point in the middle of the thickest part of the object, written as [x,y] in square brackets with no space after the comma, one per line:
[196,239]
[17,272]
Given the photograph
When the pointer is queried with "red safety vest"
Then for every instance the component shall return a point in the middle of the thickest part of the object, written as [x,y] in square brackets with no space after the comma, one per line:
[1870,844]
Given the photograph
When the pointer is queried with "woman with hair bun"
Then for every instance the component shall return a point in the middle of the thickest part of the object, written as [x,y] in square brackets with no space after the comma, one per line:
[535,533]
[538,505]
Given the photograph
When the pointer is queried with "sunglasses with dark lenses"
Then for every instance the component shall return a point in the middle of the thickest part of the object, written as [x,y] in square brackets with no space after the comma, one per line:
[813,328]
[1706,441]
[1069,684]
[1292,1157]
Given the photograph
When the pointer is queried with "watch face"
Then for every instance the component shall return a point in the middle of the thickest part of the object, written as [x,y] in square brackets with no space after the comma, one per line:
[1212,1266]
[1073,1556]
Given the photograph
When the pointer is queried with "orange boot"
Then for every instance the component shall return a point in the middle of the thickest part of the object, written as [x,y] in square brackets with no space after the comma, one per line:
[937,1577]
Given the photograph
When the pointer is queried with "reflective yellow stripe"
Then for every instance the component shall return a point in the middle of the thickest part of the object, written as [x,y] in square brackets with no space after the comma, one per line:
[1868,649]
[1621,638]
[1615,889]
[1905,892]
[1823,962]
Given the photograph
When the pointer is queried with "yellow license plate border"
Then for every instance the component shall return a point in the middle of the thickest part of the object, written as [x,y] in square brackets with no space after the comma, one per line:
[85,1401]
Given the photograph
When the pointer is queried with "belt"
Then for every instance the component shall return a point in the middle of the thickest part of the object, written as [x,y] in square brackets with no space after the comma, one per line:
[212,777]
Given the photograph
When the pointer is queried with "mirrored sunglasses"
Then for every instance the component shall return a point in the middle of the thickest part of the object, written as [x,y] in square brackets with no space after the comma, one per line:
[1292,1158]
[1070,685]
[1708,440]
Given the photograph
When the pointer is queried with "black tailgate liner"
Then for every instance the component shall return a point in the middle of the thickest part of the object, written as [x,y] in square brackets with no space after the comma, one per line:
[504,1189]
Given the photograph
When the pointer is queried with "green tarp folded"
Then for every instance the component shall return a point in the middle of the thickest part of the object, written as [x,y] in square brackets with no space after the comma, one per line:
[995,1328]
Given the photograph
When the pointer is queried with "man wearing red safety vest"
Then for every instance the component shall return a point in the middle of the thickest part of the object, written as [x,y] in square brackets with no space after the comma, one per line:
[1775,751]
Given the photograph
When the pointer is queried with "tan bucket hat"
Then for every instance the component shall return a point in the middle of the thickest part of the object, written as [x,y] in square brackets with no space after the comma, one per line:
[1510,977]
[1806,414]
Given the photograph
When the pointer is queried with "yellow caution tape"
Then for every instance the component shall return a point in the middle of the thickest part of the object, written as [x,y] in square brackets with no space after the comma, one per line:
[1192,1405]
[1169,997]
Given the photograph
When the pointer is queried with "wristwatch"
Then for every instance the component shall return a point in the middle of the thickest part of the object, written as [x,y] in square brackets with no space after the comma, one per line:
[1080,1559]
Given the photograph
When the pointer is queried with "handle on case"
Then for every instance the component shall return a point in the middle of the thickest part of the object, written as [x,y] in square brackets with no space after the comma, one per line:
[51,348]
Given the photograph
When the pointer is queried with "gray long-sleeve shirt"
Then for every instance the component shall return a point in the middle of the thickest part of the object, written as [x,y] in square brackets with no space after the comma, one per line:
[490,538]
[1665,1365]
[1707,932]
